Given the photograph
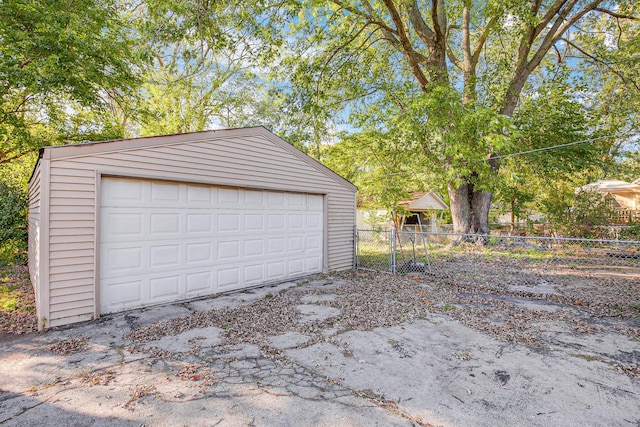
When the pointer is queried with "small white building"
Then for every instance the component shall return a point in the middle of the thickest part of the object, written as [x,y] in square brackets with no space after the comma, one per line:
[123,224]
[422,211]
[424,207]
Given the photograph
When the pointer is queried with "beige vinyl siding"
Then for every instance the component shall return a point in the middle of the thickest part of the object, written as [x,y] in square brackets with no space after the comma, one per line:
[237,158]
[72,251]
[34,225]
[38,223]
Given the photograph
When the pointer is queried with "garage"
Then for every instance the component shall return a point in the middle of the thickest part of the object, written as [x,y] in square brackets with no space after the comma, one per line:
[125,224]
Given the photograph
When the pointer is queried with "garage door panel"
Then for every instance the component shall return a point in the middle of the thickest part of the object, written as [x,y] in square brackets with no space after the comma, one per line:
[124,224]
[295,201]
[313,264]
[313,222]
[295,244]
[295,266]
[254,222]
[164,224]
[200,223]
[164,287]
[253,199]
[314,201]
[276,222]
[275,200]
[165,193]
[253,273]
[312,242]
[275,270]
[198,253]
[228,277]
[228,251]
[229,197]
[164,255]
[275,246]
[171,241]
[228,222]
[123,293]
[200,195]
[122,192]
[123,259]
[254,248]
[295,222]
[199,282]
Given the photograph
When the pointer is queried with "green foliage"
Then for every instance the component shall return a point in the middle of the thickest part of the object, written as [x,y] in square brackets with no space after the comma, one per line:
[380,164]
[13,224]
[204,61]
[581,216]
[53,53]
[630,231]
[548,118]
[13,209]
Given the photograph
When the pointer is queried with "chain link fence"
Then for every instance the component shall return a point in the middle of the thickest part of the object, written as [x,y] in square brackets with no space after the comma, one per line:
[466,257]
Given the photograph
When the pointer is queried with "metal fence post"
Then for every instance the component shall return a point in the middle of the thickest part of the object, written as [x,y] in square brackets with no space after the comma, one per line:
[356,243]
[392,248]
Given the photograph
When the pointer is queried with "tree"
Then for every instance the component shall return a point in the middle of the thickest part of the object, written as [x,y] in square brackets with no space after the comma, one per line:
[472,60]
[54,54]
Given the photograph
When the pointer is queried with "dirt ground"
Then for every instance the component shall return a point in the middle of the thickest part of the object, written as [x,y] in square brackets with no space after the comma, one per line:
[475,342]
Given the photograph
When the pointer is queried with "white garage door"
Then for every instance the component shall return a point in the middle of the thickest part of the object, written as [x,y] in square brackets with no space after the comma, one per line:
[163,241]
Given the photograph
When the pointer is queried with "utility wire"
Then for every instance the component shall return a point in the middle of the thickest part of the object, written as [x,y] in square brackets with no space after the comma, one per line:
[554,147]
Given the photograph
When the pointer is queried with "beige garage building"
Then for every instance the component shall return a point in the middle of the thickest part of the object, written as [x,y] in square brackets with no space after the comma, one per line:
[123,224]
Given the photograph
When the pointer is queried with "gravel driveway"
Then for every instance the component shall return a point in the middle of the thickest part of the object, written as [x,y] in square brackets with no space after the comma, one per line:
[355,349]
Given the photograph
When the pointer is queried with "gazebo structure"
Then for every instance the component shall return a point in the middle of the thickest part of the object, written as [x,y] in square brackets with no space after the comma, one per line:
[423,208]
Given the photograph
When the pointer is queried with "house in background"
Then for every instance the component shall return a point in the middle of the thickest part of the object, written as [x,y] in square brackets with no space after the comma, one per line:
[624,196]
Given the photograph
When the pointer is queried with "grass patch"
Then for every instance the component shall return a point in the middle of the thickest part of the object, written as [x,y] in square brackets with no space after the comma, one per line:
[17,300]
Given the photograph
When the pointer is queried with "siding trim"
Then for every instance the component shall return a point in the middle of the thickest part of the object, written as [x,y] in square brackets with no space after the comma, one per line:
[325,237]
[42,290]
[96,246]
[196,180]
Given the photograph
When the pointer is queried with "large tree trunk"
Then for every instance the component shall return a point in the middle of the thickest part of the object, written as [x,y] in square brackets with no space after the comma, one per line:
[480,205]
[460,205]
[469,209]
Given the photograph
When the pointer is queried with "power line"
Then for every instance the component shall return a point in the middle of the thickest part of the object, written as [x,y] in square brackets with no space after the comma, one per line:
[554,147]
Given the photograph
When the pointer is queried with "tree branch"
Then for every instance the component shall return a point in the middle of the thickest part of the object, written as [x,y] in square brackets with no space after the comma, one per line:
[548,16]
[425,33]
[615,15]
[600,61]
[558,29]
[453,58]
[407,49]
[4,160]
[483,38]
[368,16]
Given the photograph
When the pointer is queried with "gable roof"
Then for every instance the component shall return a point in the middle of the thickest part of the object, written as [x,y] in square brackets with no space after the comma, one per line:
[425,201]
[89,148]
[611,186]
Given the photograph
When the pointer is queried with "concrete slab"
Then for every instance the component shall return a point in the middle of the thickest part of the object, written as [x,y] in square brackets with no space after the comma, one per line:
[188,340]
[428,371]
[541,288]
[315,298]
[311,312]
[288,340]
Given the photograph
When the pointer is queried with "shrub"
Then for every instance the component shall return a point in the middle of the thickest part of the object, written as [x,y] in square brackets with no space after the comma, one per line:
[13,224]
